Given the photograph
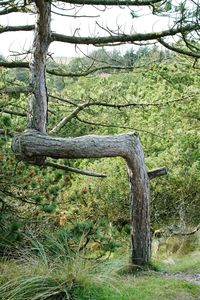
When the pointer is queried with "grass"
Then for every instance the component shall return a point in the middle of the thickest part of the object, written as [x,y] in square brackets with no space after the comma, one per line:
[189,263]
[50,273]
[84,282]
[143,288]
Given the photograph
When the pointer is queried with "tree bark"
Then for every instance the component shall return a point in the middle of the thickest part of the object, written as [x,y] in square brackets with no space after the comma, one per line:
[37,115]
[33,144]
[139,207]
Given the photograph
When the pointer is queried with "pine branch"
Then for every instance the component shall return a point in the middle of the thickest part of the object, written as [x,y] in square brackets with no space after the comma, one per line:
[123,38]
[179,50]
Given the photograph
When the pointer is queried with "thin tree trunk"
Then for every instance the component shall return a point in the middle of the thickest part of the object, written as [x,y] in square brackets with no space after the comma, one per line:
[38,104]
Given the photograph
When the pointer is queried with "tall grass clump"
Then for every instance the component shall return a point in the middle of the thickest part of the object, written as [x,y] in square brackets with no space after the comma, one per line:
[48,269]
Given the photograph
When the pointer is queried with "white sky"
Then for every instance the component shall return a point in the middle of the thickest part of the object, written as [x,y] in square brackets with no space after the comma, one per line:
[113,18]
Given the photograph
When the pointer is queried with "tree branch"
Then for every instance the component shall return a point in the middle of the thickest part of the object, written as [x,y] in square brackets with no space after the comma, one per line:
[71,169]
[113,2]
[20,114]
[115,126]
[65,120]
[9,10]
[14,64]
[124,38]
[81,107]
[85,73]
[16,28]
[179,50]
[15,90]
[157,172]
[57,72]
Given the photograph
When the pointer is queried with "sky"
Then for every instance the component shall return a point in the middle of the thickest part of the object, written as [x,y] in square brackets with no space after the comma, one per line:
[113,18]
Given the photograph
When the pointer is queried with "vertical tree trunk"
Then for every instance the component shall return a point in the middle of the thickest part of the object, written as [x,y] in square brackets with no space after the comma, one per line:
[38,104]
[139,207]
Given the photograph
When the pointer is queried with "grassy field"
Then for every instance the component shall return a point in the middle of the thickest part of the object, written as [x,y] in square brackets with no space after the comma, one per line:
[39,279]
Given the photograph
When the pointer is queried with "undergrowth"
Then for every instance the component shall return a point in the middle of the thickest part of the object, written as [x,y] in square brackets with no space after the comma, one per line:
[50,271]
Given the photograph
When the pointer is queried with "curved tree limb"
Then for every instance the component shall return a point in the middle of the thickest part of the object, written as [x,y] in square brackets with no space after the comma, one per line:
[32,144]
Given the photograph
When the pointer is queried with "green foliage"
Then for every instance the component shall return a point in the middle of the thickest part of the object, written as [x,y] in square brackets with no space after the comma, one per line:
[165,98]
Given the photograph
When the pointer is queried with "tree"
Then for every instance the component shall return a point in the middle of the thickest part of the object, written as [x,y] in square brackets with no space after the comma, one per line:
[35,145]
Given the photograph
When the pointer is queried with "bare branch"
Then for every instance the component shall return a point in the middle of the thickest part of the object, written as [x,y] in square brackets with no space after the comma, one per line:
[12,9]
[57,72]
[188,233]
[113,2]
[81,107]
[85,73]
[65,120]
[123,38]
[16,28]
[71,169]
[63,100]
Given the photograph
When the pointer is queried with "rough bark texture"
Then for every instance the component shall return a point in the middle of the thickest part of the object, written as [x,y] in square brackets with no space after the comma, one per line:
[37,116]
[32,144]
[139,206]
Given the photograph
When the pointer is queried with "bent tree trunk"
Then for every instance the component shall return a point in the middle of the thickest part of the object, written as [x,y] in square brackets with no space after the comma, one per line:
[33,144]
